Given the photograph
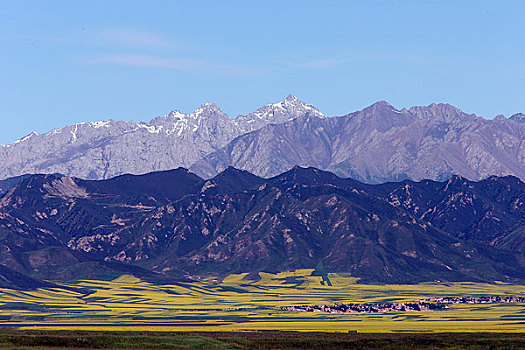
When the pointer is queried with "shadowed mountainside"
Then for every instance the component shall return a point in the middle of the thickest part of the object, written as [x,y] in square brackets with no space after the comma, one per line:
[175,225]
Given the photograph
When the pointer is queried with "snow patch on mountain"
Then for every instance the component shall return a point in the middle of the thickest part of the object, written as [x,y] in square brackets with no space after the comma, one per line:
[102,149]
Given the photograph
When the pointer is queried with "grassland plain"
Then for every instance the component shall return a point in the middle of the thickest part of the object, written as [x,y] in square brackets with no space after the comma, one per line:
[242,303]
[17,339]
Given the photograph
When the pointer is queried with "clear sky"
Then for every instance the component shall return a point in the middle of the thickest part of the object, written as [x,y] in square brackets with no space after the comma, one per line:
[64,62]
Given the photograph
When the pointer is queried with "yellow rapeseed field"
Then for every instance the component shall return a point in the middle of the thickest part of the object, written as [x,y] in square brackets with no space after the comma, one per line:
[237,303]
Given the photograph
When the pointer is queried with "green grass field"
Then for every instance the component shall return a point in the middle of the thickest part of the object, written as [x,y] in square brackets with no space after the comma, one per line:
[238,304]
[16,339]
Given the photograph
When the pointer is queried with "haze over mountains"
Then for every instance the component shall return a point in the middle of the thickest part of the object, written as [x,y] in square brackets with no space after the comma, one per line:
[377,144]
[175,225]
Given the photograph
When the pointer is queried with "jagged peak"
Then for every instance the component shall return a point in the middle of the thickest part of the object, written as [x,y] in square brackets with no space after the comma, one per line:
[296,169]
[232,172]
[204,110]
[292,97]
[232,180]
[174,113]
[518,117]
[441,112]
[382,106]
[207,108]
[290,100]
[445,106]
[208,105]
[441,107]
[290,103]
[275,113]
[171,116]
[294,102]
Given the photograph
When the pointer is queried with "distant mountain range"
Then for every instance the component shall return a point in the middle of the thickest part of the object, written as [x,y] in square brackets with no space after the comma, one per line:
[377,144]
[101,150]
[174,225]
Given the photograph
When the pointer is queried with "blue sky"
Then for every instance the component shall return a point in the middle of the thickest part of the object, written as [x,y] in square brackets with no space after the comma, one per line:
[64,62]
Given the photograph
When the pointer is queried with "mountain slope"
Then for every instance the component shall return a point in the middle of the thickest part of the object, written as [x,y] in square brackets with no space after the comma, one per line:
[14,280]
[101,150]
[377,144]
[518,117]
[381,143]
[291,224]
[52,226]
[484,211]
[7,184]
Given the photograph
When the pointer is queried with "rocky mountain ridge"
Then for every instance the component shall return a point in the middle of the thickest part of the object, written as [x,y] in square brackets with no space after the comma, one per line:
[378,144]
[175,225]
[104,149]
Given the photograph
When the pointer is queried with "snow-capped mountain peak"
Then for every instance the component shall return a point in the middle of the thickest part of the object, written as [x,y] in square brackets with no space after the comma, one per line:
[379,143]
[102,149]
[206,110]
[293,104]
[276,113]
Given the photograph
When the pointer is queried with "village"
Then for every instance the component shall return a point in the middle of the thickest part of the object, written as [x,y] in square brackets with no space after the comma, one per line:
[474,300]
[429,304]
